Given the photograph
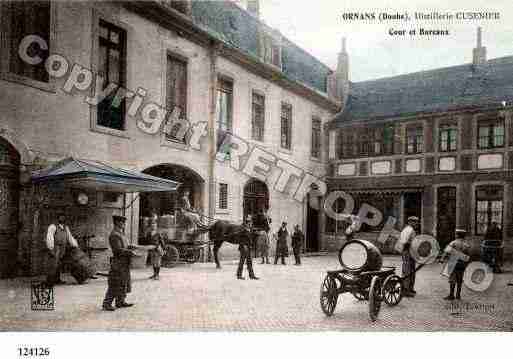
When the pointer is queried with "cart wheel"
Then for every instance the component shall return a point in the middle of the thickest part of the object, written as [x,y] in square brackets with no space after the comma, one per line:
[329,295]
[194,255]
[360,296]
[171,256]
[375,298]
[392,292]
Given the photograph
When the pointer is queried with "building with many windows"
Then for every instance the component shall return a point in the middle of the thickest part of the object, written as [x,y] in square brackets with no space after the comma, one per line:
[109,64]
[433,144]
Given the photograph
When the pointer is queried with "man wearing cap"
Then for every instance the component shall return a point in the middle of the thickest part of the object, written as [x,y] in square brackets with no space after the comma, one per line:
[245,242]
[282,250]
[119,283]
[408,268]
[461,246]
[58,237]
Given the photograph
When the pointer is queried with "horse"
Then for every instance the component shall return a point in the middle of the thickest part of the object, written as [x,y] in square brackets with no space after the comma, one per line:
[224,231]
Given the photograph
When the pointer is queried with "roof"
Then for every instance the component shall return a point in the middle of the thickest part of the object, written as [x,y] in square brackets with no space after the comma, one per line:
[236,27]
[100,176]
[444,89]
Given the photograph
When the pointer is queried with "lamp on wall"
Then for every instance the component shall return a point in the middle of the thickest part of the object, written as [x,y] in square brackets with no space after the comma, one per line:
[82,198]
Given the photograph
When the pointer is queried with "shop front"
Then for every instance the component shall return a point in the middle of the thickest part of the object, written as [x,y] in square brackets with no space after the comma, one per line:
[89,193]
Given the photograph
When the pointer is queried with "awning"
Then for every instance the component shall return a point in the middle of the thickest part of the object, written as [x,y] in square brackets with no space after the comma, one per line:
[87,174]
[385,191]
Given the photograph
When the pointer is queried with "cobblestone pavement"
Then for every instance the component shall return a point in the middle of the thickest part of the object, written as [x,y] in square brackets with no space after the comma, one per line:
[199,297]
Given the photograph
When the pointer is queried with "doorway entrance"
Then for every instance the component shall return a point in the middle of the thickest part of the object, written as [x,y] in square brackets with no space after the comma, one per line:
[312,222]
[445,215]
[9,195]
[256,196]
[413,206]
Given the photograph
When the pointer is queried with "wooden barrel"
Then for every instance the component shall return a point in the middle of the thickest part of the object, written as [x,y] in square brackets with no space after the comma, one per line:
[360,256]
[81,267]
[166,221]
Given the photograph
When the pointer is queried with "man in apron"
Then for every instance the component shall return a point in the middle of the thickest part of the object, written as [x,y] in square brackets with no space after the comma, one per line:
[58,237]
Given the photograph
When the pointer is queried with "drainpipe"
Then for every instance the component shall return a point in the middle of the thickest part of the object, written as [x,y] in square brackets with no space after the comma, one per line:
[214,53]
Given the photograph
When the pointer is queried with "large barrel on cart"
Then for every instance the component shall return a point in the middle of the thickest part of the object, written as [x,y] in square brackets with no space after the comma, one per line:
[360,256]
[362,275]
[80,265]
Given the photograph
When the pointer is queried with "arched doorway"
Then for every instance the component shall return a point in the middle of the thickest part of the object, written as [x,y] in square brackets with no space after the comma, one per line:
[256,196]
[163,203]
[9,196]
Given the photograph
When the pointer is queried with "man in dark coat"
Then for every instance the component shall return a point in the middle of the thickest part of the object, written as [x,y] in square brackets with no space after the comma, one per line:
[494,235]
[282,249]
[261,225]
[297,243]
[246,238]
[119,283]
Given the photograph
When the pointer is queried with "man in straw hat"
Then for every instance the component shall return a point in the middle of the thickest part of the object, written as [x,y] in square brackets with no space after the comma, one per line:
[119,283]
[460,245]
[407,235]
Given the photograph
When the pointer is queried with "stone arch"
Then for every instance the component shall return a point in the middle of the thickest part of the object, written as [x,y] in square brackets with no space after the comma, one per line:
[256,196]
[19,145]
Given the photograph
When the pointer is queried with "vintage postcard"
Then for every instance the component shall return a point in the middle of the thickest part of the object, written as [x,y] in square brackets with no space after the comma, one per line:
[255,166]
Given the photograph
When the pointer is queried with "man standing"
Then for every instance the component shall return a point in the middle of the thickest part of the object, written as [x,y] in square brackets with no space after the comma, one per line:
[246,238]
[282,249]
[119,283]
[297,243]
[58,237]
[262,226]
[456,277]
[408,268]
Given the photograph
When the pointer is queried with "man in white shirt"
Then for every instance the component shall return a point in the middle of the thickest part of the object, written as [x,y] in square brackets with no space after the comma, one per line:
[408,268]
[58,237]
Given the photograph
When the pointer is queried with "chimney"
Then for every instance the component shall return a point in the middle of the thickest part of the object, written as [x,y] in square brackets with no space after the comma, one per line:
[253,7]
[479,52]
[338,82]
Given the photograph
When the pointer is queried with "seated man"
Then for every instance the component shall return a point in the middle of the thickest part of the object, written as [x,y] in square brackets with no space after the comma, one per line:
[191,218]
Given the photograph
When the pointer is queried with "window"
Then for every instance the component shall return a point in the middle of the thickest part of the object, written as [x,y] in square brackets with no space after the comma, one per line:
[223,196]
[364,142]
[271,51]
[258,117]
[316,138]
[111,66]
[286,126]
[414,140]
[224,111]
[26,18]
[491,134]
[448,135]
[384,140]
[176,93]
[489,205]
[345,144]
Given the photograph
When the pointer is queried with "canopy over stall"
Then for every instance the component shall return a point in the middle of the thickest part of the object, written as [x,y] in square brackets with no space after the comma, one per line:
[95,175]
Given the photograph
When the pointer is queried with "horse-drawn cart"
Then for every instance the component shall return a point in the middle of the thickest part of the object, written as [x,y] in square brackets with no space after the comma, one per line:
[363,276]
[189,251]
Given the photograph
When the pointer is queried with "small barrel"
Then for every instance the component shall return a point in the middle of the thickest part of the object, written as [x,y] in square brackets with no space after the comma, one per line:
[81,267]
[360,256]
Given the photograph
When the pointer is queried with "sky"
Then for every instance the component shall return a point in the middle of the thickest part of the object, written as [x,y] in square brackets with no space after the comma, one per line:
[317,26]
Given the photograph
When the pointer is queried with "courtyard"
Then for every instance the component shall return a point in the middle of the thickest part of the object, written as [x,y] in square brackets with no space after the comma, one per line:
[198,297]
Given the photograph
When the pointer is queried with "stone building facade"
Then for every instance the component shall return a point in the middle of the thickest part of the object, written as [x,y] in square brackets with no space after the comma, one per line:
[203,57]
[434,144]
